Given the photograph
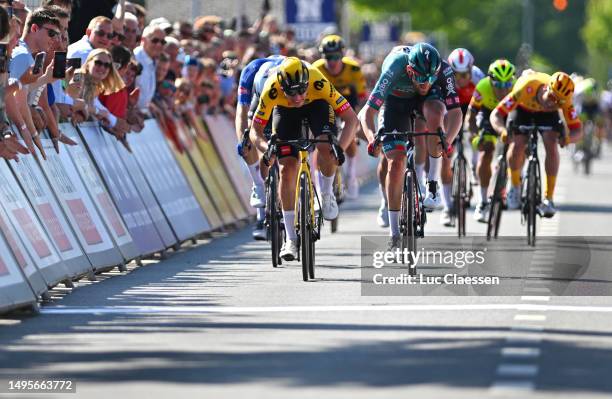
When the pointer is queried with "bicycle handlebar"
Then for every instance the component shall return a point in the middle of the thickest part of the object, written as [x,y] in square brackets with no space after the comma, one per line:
[410,134]
[304,144]
[528,128]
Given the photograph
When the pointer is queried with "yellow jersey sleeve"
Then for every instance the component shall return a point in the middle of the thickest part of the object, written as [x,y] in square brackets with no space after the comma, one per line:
[320,88]
[571,116]
[270,97]
[514,98]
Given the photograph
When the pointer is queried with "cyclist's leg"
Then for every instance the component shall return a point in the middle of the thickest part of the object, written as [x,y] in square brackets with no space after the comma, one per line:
[551,162]
[486,150]
[516,153]
[322,121]
[287,124]
[394,117]
[252,159]
[434,111]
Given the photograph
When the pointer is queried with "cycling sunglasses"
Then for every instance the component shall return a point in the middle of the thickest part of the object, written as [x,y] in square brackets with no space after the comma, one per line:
[501,85]
[295,91]
[421,79]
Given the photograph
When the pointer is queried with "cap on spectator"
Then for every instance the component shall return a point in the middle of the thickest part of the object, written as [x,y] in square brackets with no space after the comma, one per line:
[162,22]
[192,61]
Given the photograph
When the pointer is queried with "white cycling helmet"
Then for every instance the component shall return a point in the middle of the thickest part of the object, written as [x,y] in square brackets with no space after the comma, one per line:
[461,60]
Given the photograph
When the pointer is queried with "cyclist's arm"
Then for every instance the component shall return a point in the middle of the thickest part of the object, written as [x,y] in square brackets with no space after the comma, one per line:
[367,118]
[452,122]
[505,106]
[263,113]
[573,123]
[257,137]
[454,116]
[470,120]
[351,124]
[497,120]
[242,119]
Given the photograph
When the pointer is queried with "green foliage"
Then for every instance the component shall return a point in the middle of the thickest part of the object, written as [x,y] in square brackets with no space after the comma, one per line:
[492,29]
[597,31]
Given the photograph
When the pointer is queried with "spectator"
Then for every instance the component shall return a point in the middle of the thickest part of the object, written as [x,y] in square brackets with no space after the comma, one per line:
[176,55]
[153,42]
[41,32]
[162,67]
[66,5]
[184,29]
[163,24]
[117,102]
[131,30]
[99,34]
[141,14]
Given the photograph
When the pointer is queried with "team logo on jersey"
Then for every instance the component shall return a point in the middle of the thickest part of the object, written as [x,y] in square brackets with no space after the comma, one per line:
[319,84]
[344,107]
[529,90]
[450,86]
[339,100]
[273,93]
[573,114]
[477,96]
[243,90]
[377,101]
[509,103]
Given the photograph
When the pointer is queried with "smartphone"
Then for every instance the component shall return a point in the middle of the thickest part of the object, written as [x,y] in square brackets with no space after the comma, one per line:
[3,58]
[39,61]
[76,78]
[59,64]
[74,63]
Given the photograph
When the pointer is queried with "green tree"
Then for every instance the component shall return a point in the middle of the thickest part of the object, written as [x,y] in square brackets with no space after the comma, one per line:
[492,29]
[597,33]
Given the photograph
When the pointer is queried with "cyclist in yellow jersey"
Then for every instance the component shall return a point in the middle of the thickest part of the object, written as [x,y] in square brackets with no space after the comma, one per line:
[345,74]
[299,91]
[488,93]
[537,97]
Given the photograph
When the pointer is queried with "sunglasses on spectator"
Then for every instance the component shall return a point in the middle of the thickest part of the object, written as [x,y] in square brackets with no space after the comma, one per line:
[101,33]
[120,36]
[501,85]
[51,32]
[463,75]
[157,40]
[296,91]
[106,65]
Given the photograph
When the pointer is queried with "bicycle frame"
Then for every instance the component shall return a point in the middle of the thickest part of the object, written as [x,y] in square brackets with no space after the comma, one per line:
[304,167]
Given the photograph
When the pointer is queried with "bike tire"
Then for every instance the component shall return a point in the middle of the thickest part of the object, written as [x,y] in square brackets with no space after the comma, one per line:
[271,214]
[305,232]
[407,220]
[532,181]
[463,196]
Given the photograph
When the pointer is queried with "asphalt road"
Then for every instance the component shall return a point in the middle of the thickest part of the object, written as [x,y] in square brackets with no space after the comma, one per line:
[218,321]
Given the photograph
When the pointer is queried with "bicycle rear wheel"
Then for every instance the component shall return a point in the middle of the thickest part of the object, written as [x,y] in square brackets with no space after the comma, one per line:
[460,193]
[339,194]
[305,228]
[532,201]
[407,220]
[273,222]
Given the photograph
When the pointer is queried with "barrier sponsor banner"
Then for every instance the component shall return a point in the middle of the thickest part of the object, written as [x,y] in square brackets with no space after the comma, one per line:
[78,208]
[29,228]
[212,159]
[21,255]
[14,290]
[159,219]
[122,190]
[221,132]
[169,184]
[45,205]
[86,170]
[204,174]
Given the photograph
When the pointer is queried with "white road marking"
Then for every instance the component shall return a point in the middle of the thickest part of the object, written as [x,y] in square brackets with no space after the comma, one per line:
[537,289]
[530,317]
[323,308]
[535,298]
[520,352]
[517,370]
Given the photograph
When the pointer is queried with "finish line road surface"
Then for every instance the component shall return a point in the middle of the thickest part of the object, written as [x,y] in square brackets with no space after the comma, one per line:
[217,321]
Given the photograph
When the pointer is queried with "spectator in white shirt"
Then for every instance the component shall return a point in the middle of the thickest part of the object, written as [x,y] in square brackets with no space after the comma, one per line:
[99,34]
[152,45]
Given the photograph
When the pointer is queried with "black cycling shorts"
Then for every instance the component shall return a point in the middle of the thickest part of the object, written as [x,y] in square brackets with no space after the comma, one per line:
[397,114]
[523,117]
[287,122]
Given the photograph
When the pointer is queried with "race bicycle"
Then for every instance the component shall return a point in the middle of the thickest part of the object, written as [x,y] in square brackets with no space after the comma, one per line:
[412,212]
[308,221]
[461,186]
[497,197]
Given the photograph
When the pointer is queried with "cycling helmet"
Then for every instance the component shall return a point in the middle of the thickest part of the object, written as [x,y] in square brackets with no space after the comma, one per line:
[461,60]
[424,61]
[502,70]
[562,85]
[331,44]
[292,76]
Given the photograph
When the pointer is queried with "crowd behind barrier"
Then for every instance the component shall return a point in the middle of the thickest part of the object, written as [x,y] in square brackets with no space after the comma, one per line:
[128,149]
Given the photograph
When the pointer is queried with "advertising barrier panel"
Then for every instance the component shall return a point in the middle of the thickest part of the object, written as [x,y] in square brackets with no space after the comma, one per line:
[169,184]
[87,172]
[29,229]
[80,211]
[14,290]
[122,190]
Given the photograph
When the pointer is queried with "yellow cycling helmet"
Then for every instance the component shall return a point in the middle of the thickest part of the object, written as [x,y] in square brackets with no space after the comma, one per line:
[292,76]
[562,85]
[331,44]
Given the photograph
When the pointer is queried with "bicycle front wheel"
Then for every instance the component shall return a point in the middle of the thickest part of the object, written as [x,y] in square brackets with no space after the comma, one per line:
[460,193]
[499,183]
[273,219]
[532,201]
[306,239]
[407,220]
